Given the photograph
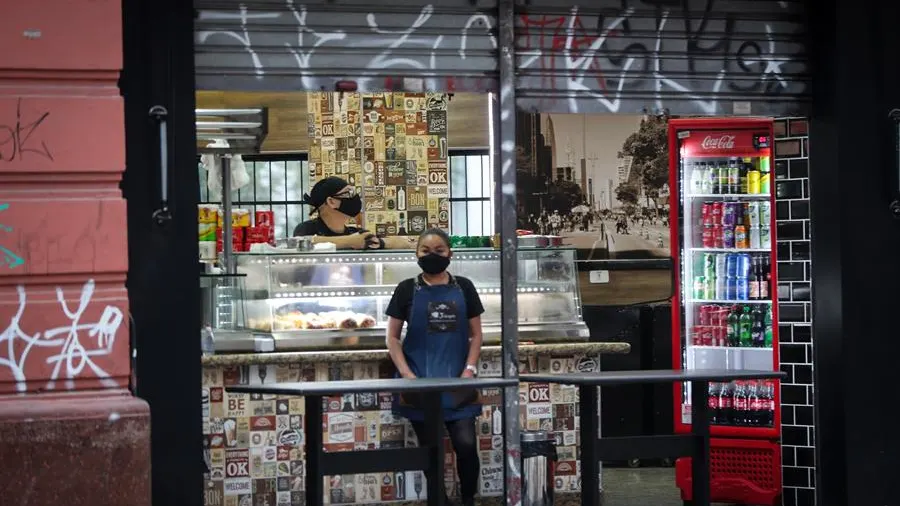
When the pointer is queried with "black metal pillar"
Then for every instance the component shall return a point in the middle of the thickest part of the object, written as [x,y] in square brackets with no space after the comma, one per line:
[505,199]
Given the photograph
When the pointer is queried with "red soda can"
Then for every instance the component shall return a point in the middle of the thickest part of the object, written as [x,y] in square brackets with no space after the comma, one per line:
[706,336]
[719,333]
[716,213]
[704,315]
[706,210]
[708,238]
[717,236]
[715,316]
[697,335]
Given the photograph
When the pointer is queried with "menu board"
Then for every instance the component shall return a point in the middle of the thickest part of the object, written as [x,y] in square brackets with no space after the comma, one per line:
[393,147]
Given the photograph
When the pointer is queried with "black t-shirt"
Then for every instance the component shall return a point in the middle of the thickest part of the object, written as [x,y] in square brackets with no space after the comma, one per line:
[318,227]
[401,302]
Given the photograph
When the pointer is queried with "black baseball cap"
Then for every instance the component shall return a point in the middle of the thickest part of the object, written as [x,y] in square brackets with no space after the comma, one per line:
[323,189]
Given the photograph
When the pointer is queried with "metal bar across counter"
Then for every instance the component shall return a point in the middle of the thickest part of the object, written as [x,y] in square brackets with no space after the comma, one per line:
[694,445]
[429,456]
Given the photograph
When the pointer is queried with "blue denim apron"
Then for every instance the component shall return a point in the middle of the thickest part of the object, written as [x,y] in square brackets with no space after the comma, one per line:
[437,344]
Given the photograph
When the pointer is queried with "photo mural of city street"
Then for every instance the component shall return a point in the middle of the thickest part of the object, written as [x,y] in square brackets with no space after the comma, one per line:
[598,181]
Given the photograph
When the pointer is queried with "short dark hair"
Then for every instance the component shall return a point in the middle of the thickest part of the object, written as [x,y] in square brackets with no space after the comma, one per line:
[434,231]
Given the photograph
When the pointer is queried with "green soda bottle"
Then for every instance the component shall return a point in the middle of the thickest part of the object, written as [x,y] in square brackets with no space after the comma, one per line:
[767,324]
[734,328]
[745,326]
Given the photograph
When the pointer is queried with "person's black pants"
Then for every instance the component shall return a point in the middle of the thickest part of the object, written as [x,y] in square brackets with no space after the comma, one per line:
[462,436]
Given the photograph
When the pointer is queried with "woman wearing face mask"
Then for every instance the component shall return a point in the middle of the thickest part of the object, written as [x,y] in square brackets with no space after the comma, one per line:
[335,203]
[442,313]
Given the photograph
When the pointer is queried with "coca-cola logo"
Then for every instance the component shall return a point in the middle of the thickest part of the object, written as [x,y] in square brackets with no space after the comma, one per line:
[721,142]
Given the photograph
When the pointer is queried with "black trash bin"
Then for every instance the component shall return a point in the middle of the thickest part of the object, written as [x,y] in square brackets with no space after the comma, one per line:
[538,466]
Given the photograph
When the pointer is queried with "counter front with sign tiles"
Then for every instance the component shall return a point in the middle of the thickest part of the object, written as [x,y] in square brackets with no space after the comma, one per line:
[254,444]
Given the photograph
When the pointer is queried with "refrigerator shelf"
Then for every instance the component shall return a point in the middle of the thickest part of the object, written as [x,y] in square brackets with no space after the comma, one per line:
[726,302]
[729,348]
[736,196]
[729,250]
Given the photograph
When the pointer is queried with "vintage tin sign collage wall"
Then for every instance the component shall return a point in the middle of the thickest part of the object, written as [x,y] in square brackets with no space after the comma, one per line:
[392,147]
[254,444]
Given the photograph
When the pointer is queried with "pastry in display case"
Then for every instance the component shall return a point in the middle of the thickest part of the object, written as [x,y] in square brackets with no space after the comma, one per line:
[338,298]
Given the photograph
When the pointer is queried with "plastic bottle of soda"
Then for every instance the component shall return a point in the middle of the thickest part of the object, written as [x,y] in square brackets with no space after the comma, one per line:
[755,407]
[712,402]
[745,328]
[767,401]
[726,405]
[758,329]
[739,410]
[767,328]
[733,328]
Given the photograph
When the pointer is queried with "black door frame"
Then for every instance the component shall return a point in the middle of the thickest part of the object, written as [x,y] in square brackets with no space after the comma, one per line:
[163,278]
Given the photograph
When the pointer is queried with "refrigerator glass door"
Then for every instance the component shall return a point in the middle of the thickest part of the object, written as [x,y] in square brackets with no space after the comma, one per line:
[726,293]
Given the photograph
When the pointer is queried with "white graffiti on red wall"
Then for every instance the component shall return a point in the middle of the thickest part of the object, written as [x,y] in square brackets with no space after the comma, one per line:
[688,56]
[73,348]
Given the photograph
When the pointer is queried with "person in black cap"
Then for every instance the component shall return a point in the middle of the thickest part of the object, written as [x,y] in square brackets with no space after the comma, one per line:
[335,203]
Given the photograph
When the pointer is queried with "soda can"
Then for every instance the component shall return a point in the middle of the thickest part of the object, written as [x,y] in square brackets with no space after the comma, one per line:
[743,265]
[753,213]
[728,214]
[705,210]
[765,238]
[718,337]
[699,287]
[706,336]
[708,238]
[697,335]
[731,265]
[716,212]
[728,237]
[765,214]
[717,237]
[705,313]
[709,265]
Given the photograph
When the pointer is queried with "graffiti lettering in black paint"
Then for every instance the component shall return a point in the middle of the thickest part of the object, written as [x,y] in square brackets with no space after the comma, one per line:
[23,136]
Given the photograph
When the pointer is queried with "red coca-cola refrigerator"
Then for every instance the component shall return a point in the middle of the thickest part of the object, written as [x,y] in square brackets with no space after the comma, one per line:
[724,313]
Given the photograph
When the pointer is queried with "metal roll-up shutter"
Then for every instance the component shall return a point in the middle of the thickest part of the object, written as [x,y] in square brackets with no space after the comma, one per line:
[287,45]
[687,57]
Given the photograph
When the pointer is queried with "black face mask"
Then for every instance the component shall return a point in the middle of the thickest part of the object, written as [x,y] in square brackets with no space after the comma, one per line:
[350,206]
[433,263]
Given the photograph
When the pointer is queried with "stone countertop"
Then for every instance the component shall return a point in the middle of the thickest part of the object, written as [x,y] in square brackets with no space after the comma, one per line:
[489,351]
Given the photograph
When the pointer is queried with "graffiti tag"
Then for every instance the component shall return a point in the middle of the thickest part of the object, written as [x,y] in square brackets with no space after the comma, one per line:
[21,137]
[7,257]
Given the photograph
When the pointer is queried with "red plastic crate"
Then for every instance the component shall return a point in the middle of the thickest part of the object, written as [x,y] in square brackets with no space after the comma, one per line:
[743,471]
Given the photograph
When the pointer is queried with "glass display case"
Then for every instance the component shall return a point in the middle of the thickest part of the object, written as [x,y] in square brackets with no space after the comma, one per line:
[321,299]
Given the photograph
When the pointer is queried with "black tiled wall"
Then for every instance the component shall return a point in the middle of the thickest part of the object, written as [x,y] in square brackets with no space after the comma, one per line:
[792,215]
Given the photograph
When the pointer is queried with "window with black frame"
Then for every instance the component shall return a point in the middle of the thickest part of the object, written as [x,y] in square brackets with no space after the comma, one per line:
[471,193]
[277,183]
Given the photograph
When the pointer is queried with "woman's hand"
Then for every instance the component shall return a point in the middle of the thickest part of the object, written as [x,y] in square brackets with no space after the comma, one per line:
[410,376]
[467,373]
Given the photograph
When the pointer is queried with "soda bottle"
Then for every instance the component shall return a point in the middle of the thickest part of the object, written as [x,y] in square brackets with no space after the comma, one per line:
[764,176]
[723,178]
[754,279]
[725,404]
[734,176]
[757,331]
[739,411]
[696,178]
[765,278]
[745,328]
[712,402]
[712,179]
[732,335]
[767,404]
[755,408]
[767,328]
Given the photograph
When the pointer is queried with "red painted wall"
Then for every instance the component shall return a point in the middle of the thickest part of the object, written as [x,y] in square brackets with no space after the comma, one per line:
[64,350]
